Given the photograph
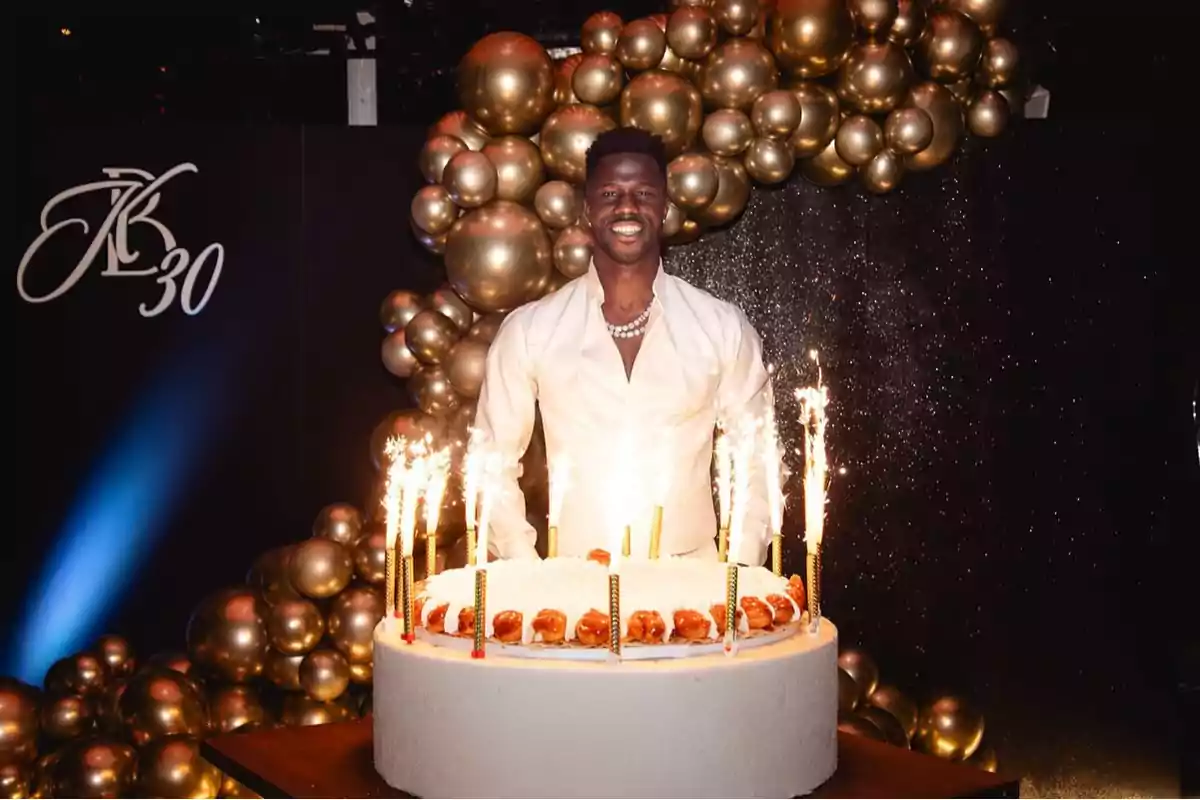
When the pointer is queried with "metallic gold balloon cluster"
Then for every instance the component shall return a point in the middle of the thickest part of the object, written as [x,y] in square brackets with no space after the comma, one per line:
[948,726]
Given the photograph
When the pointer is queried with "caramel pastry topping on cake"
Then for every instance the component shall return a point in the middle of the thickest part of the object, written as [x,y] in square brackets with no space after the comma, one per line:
[564,601]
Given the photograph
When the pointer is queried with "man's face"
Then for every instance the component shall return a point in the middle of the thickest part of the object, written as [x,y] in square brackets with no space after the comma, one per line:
[626,200]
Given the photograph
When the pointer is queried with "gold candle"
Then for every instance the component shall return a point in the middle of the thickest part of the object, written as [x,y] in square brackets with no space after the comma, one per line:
[614,613]
[777,554]
[552,542]
[406,598]
[626,548]
[814,588]
[389,582]
[430,554]
[480,612]
[656,532]
[731,598]
[435,490]
[470,545]
[723,544]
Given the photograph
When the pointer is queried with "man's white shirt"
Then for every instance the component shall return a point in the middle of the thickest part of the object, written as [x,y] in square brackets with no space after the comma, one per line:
[629,444]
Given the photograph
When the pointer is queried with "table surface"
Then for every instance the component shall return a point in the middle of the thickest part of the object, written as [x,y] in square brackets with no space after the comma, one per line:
[337,760]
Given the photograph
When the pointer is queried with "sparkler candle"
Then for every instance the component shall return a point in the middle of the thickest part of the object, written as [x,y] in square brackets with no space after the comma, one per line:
[774,467]
[558,489]
[471,476]
[485,517]
[742,452]
[724,490]
[393,490]
[435,490]
[414,480]
[813,400]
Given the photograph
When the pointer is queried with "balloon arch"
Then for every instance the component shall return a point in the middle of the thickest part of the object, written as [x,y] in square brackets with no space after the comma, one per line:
[742,92]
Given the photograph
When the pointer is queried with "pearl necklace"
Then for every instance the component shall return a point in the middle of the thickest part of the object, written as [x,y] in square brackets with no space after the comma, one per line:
[632,329]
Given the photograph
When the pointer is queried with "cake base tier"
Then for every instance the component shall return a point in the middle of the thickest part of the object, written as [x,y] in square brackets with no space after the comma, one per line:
[762,723]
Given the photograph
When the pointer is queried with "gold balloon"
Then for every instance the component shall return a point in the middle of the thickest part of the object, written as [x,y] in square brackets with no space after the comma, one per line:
[452,307]
[674,221]
[108,706]
[564,73]
[370,554]
[463,418]
[810,37]
[82,673]
[692,181]
[691,32]
[862,668]
[408,424]
[908,130]
[998,64]
[295,626]
[769,161]
[518,164]
[641,44]
[353,615]
[430,335]
[556,282]
[671,62]
[398,308]
[116,654]
[598,79]
[985,759]
[874,77]
[847,693]
[465,367]
[883,172]
[361,672]
[874,17]
[858,139]
[856,725]
[268,576]
[826,168]
[988,114]
[398,358]
[19,711]
[324,674]
[558,204]
[660,20]
[733,191]
[461,127]
[179,662]
[893,732]
[159,702]
[485,328]
[320,568]
[300,709]
[666,105]
[819,119]
[283,670]
[499,256]
[946,114]
[776,114]
[231,707]
[431,388]
[893,701]
[736,17]
[949,47]
[572,251]
[600,33]
[67,716]
[985,13]
[94,767]
[736,73]
[909,22]
[436,154]
[16,779]
[433,210]
[227,633]
[340,522]
[470,178]
[566,137]
[506,83]
[172,767]
[950,728]
[230,788]
[727,132]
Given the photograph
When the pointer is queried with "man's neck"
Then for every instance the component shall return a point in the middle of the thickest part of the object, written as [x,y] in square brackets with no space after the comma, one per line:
[627,287]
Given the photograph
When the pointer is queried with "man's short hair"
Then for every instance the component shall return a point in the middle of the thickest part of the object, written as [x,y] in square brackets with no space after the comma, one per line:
[627,141]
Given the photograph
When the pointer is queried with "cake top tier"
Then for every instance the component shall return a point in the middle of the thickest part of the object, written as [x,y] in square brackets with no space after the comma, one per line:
[575,586]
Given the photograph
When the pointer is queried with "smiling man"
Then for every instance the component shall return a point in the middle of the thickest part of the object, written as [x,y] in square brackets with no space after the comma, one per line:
[632,369]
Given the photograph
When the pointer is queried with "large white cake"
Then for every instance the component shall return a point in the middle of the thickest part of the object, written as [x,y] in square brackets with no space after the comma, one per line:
[674,716]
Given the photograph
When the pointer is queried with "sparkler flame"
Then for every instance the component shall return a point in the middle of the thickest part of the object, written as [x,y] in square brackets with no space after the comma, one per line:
[435,489]
[813,400]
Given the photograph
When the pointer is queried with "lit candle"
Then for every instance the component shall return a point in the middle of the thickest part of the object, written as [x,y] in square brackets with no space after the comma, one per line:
[742,453]
[616,554]
[774,467]
[435,490]
[481,559]
[662,490]
[724,490]
[414,480]
[813,400]
[393,490]
[471,477]
[558,488]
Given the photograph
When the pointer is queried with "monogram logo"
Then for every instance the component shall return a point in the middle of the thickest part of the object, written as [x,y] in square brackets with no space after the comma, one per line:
[134,197]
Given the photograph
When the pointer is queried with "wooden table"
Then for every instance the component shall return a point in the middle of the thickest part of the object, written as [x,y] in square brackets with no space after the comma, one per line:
[336,760]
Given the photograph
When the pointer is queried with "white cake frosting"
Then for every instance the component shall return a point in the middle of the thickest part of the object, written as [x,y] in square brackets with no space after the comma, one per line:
[575,586]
